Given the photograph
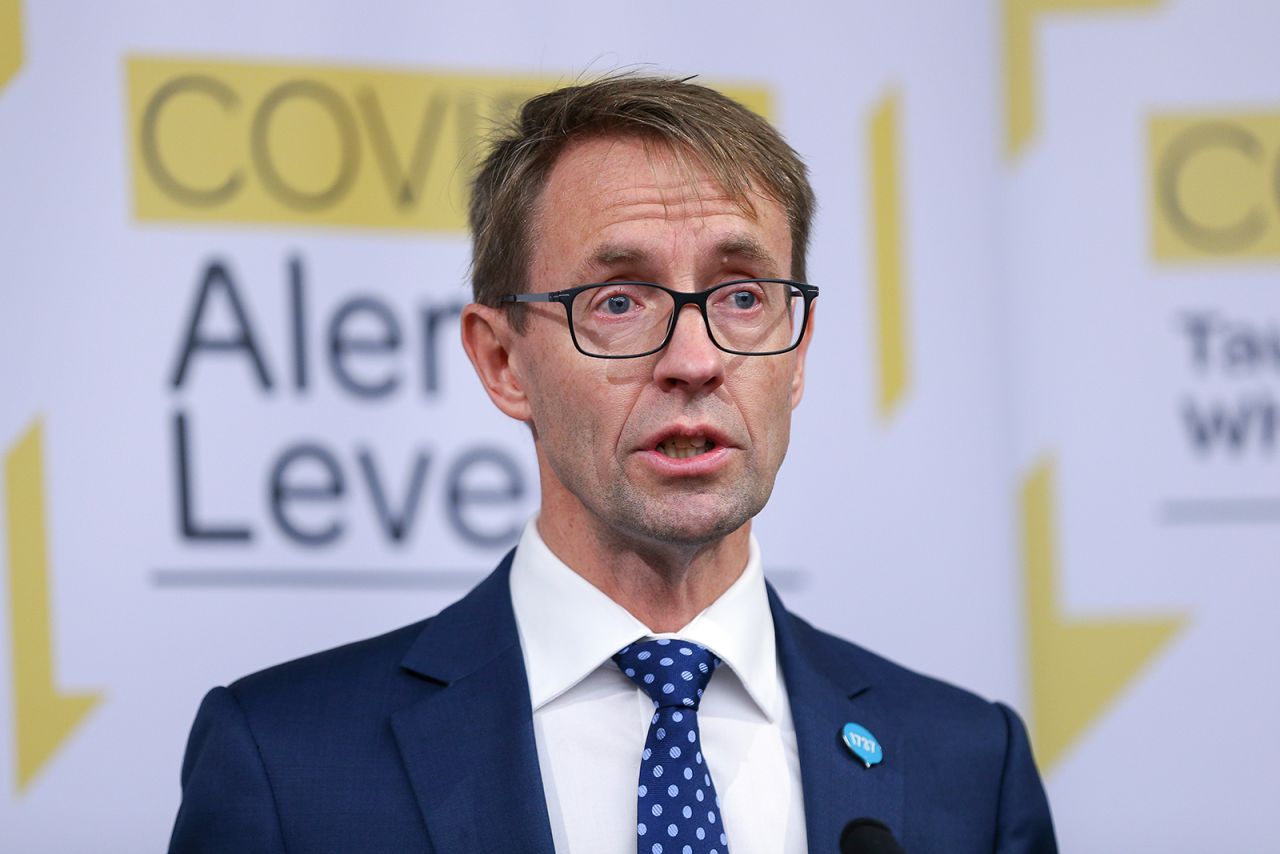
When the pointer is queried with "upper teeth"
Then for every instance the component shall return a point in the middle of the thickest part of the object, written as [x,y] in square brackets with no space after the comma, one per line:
[681,447]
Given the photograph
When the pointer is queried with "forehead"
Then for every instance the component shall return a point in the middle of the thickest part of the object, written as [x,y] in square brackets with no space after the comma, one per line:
[619,196]
[613,169]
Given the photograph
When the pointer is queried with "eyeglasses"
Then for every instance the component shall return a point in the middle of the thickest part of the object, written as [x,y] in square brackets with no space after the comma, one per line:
[626,320]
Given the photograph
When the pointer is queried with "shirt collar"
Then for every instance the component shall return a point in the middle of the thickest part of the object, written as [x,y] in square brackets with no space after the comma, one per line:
[560,652]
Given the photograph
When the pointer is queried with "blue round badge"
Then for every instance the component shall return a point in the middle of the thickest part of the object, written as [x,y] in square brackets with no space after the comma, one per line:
[863,744]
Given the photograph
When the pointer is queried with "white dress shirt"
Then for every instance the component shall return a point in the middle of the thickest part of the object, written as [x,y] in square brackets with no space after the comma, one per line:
[590,721]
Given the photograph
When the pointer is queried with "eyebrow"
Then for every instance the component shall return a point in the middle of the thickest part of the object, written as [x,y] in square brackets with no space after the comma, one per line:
[748,249]
[613,254]
[739,246]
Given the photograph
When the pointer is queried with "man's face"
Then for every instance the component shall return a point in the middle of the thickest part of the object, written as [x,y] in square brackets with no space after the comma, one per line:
[681,446]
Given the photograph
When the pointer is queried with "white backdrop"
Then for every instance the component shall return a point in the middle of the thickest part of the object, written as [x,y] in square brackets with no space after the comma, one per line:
[1037,455]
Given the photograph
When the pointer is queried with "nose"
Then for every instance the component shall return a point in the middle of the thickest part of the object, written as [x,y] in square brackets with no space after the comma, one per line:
[690,359]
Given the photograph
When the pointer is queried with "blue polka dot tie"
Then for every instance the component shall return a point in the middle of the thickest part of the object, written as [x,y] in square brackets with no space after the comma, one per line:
[678,810]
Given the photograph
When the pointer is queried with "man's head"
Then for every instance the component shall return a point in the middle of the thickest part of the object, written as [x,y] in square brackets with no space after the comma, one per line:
[737,147]
[679,447]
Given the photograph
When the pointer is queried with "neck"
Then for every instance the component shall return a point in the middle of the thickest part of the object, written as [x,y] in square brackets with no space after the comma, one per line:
[662,585]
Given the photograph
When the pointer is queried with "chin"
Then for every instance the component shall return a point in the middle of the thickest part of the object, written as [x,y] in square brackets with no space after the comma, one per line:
[690,520]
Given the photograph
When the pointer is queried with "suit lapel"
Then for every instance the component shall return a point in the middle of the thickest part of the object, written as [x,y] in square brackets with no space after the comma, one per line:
[826,691]
[469,748]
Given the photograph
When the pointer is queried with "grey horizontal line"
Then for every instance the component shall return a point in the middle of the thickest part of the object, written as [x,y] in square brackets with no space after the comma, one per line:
[1220,511]
[345,579]
[364,579]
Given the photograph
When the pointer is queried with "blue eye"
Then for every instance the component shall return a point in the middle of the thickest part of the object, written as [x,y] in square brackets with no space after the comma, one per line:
[618,304]
[745,300]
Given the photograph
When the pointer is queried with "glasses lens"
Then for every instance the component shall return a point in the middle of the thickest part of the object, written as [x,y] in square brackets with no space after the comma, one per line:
[621,318]
[755,316]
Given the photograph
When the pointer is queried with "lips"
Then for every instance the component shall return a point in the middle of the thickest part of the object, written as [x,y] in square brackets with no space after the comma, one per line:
[688,451]
[683,442]
[683,447]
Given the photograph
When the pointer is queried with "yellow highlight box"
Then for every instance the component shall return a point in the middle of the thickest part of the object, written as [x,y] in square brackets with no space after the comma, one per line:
[1215,186]
[313,145]
[10,39]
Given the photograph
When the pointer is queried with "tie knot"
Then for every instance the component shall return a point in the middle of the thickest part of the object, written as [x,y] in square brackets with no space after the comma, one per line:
[672,672]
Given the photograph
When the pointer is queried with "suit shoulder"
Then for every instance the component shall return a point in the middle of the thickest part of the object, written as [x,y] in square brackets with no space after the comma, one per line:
[928,694]
[330,674]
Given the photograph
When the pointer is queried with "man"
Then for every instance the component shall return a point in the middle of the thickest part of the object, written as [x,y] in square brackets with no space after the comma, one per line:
[625,680]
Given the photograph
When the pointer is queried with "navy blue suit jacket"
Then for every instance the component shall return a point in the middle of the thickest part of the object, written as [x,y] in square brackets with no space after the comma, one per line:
[422,740]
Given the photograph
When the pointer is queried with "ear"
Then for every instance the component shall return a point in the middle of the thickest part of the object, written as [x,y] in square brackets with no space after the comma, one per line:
[797,377]
[487,337]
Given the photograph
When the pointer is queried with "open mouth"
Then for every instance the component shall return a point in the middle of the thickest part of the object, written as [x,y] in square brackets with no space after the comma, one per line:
[684,447]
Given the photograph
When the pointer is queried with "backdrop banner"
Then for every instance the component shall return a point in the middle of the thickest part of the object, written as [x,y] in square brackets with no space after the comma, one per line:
[1037,457]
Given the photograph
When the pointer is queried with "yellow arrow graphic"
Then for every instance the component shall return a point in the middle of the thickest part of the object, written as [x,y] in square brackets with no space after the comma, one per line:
[44,716]
[1078,666]
[889,285]
[10,39]
[1020,72]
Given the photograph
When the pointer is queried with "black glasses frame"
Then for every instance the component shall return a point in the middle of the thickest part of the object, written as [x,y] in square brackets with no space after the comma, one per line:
[681,299]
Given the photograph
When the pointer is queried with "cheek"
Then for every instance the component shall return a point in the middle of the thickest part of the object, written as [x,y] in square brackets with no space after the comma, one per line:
[545,373]
[767,400]
[577,412]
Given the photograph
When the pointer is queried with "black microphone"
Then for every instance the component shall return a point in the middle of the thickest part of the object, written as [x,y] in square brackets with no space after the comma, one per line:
[868,836]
